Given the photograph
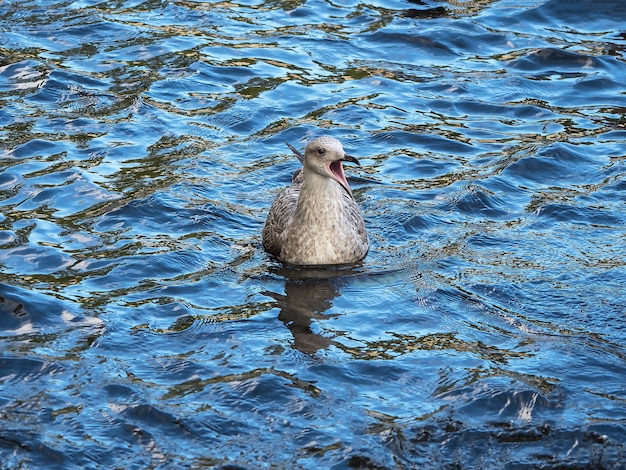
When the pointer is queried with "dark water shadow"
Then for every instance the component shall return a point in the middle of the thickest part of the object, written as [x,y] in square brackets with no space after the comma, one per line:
[308,293]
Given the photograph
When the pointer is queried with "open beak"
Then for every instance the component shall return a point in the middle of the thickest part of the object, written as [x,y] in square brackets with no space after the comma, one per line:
[350,158]
[336,169]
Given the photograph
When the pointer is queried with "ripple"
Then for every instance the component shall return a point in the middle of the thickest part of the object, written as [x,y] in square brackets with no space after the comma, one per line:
[141,145]
[556,61]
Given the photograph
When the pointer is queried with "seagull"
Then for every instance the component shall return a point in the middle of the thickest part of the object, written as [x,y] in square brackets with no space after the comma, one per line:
[316,220]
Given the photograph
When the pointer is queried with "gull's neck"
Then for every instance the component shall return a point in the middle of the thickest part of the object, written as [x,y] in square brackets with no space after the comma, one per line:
[320,204]
[319,190]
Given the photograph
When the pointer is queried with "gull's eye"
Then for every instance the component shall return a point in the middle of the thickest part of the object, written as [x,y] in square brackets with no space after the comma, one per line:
[321,151]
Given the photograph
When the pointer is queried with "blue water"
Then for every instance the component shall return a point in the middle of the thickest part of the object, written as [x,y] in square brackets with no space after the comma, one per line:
[143,326]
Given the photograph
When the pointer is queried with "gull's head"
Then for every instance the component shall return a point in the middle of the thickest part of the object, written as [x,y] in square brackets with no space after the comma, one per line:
[324,156]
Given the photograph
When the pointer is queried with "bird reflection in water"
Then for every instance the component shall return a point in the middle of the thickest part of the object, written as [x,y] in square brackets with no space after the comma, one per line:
[308,294]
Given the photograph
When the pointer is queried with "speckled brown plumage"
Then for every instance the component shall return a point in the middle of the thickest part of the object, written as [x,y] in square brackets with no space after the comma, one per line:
[316,221]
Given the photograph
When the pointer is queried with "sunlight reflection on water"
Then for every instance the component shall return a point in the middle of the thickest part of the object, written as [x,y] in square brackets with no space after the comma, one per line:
[142,325]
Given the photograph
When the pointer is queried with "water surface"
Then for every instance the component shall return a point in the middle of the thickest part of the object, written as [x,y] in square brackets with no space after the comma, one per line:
[143,326]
